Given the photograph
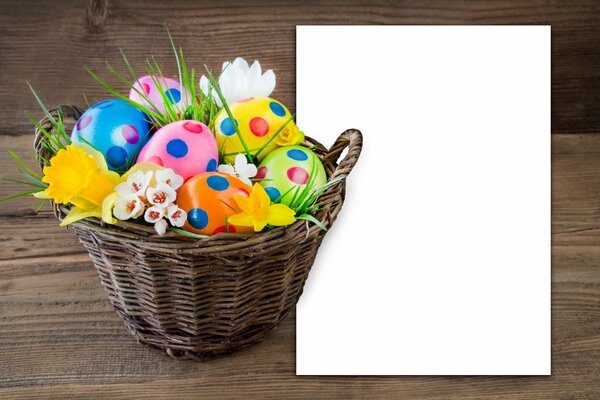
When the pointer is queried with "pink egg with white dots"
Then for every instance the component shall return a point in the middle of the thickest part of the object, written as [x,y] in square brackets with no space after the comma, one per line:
[187,147]
[145,91]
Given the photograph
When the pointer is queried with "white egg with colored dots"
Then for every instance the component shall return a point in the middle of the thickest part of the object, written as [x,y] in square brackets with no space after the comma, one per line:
[187,147]
[288,170]
[114,128]
[257,119]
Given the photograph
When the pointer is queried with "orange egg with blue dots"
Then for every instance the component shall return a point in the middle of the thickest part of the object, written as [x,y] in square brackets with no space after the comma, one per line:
[257,119]
[208,200]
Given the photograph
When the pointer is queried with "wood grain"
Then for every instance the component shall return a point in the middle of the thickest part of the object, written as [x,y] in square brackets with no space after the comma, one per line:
[60,338]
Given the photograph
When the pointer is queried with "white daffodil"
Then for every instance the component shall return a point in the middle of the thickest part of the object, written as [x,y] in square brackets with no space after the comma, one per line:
[242,169]
[162,195]
[239,81]
[169,177]
[176,215]
[128,207]
[136,184]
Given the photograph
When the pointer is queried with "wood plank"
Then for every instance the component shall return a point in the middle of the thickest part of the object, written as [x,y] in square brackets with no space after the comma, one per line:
[47,44]
[59,336]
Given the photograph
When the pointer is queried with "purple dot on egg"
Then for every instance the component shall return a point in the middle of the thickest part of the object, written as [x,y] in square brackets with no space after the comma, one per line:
[193,127]
[146,87]
[130,134]
[84,121]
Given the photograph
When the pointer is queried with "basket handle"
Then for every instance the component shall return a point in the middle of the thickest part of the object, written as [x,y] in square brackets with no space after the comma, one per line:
[351,139]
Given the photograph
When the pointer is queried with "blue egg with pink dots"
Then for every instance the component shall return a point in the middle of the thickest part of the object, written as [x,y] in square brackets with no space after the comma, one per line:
[114,128]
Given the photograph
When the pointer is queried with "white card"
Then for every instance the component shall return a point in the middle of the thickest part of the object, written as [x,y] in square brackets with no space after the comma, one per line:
[439,262]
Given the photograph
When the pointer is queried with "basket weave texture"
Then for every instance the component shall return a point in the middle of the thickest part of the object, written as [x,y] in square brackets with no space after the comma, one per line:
[194,298]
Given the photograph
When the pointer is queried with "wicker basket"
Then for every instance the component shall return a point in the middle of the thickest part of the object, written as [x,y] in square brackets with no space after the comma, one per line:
[196,298]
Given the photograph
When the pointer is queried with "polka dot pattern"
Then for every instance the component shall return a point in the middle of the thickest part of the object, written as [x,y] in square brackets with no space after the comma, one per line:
[287,170]
[155,160]
[84,121]
[277,109]
[259,127]
[227,127]
[187,147]
[114,128]
[146,92]
[223,228]
[116,156]
[298,155]
[198,218]
[213,193]
[297,175]
[177,148]
[256,120]
[212,165]
[130,134]
[217,183]
[273,193]
[261,173]
[193,127]
[173,95]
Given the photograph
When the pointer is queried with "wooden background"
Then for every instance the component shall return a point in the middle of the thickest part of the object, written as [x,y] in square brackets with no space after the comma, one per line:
[58,334]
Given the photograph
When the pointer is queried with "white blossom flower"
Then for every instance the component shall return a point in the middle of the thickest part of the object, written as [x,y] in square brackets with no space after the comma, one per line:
[154,214]
[136,184]
[242,169]
[128,207]
[160,227]
[239,81]
[176,215]
[162,195]
[169,177]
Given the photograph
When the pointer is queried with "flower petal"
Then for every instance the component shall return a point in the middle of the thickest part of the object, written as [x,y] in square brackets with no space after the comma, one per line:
[259,224]
[243,202]
[226,169]
[267,84]
[160,227]
[241,219]
[107,207]
[280,215]
[77,214]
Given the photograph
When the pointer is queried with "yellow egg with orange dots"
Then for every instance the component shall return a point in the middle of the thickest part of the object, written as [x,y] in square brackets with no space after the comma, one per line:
[258,119]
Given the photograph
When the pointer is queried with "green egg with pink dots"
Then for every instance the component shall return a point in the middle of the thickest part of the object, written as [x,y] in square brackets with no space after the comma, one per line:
[287,171]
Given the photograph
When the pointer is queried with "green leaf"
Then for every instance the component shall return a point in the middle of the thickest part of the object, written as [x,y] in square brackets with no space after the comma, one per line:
[312,219]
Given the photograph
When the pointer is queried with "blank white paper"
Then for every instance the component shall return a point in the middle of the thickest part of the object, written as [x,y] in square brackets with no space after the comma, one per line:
[439,262]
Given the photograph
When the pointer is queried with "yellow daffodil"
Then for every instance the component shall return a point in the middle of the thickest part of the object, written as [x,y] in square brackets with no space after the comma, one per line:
[78,175]
[258,212]
[290,135]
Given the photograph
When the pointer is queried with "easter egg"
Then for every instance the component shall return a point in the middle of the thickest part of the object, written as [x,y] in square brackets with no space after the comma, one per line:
[187,147]
[114,128]
[208,200]
[146,92]
[258,119]
[288,168]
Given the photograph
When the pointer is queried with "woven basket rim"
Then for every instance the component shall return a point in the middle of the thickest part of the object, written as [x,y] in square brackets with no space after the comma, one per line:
[351,139]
